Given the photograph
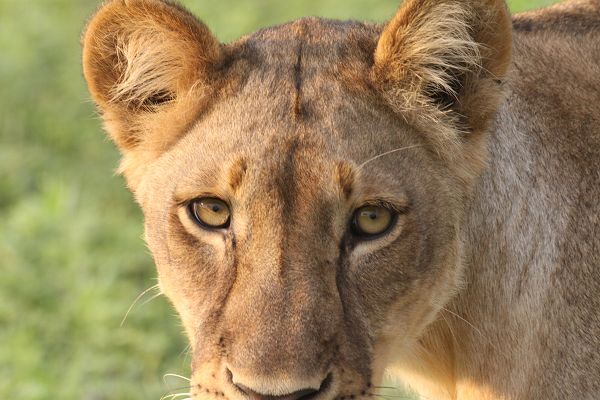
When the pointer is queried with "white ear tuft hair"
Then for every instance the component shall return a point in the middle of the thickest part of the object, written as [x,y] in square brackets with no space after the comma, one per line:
[432,52]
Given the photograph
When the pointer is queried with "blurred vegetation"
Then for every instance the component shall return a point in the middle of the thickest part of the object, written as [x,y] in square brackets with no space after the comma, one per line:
[71,256]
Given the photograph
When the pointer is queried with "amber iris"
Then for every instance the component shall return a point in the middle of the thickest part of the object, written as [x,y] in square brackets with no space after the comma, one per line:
[211,213]
[371,221]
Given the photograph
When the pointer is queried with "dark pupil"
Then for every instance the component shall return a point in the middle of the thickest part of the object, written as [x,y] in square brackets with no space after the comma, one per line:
[216,208]
[372,215]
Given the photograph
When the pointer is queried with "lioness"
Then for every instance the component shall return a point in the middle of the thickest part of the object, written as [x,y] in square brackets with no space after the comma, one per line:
[328,200]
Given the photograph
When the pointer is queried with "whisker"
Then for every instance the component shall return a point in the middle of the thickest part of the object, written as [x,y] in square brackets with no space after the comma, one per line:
[387,153]
[387,387]
[464,320]
[171,390]
[165,376]
[449,327]
[471,325]
[185,354]
[175,396]
[151,298]
[404,393]
[136,300]
[186,350]
[387,397]
[400,396]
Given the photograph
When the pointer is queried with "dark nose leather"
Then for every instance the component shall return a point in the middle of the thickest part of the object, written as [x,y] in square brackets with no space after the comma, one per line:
[304,394]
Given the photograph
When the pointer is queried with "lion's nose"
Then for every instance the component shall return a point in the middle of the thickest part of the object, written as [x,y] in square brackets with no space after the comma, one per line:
[304,394]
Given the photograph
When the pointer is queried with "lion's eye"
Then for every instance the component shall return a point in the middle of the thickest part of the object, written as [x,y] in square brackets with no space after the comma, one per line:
[369,221]
[211,213]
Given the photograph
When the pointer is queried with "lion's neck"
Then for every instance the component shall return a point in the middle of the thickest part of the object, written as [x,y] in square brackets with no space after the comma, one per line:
[459,357]
[454,360]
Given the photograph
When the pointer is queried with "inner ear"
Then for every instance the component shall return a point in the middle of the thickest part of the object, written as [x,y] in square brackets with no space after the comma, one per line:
[447,97]
[142,53]
[159,98]
[440,55]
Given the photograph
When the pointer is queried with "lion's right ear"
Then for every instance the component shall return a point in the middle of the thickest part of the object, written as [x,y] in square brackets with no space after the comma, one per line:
[441,65]
[148,63]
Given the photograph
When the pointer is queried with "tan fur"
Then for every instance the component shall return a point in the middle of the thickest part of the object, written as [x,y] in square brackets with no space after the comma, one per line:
[480,132]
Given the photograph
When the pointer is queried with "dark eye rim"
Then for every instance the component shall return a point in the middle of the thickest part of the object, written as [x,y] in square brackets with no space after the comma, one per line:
[363,236]
[192,214]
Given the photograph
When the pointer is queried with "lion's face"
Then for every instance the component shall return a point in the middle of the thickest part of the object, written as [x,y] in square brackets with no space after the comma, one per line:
[290,290]
[303,222]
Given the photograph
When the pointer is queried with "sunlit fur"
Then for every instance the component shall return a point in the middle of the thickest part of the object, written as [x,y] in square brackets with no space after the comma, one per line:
[479,131]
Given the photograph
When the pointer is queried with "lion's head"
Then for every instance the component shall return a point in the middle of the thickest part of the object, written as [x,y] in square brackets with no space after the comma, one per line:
[302,187]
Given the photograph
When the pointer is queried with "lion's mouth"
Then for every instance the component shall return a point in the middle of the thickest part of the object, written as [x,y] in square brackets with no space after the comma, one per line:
[303,394]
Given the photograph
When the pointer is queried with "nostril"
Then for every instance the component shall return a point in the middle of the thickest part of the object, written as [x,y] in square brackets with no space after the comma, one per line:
[322,388]
[302,394]
[313,393]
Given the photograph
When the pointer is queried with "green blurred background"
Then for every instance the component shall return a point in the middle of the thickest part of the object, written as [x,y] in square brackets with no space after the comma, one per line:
[71,255]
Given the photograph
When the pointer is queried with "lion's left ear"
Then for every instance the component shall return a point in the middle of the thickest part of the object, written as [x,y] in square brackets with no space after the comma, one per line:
[446,55]
[149,65]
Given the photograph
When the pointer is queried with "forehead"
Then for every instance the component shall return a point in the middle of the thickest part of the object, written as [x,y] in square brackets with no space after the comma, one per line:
[308,77]
[300,100]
